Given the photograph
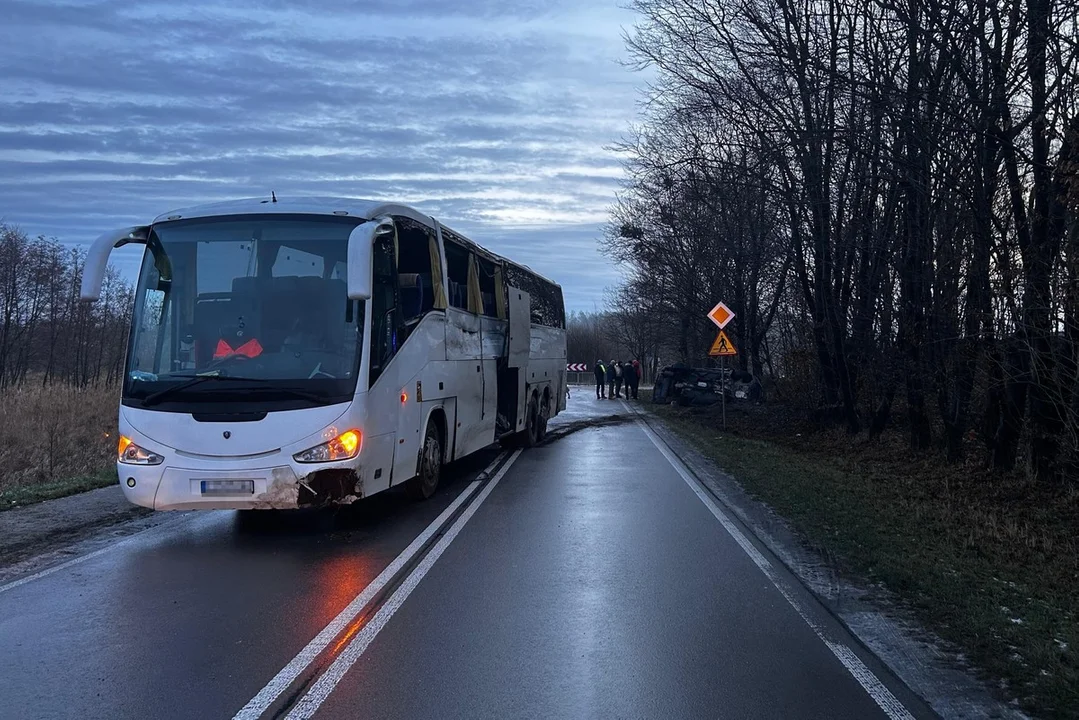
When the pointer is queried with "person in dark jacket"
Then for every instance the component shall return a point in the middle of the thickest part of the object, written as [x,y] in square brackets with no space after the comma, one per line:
[601,380]
[631,371]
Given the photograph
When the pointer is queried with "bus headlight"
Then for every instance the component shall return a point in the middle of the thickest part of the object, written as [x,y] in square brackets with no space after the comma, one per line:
[343,447]
[129,453]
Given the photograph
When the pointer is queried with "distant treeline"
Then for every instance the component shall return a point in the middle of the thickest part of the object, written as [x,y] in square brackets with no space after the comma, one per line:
[46,334]
[614,334]
[887,195]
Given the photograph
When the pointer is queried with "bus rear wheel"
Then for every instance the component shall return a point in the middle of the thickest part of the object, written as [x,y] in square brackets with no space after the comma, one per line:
[424,484]
[531,436]
[542,418]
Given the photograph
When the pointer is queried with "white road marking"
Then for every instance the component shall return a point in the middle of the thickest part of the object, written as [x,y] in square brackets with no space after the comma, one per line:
[858,670]
[310,703]
[88,556]
[288,674]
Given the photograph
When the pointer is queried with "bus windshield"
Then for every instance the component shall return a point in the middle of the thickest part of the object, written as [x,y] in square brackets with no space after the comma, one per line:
[255,298]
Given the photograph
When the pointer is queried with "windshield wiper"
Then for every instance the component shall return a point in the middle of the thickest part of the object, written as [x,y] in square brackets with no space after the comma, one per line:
[155,398]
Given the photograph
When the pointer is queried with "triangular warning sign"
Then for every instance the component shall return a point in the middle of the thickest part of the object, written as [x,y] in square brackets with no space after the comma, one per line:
[723,346]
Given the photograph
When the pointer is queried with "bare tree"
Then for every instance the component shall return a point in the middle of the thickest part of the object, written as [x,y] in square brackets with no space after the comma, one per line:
[909,166]
[45,332]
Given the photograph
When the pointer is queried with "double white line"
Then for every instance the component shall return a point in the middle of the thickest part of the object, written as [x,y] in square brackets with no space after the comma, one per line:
[310,702]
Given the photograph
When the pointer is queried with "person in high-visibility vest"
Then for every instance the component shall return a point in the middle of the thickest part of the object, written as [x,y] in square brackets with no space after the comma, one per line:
[601,380]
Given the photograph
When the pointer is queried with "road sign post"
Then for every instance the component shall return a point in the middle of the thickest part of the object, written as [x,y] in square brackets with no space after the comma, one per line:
[722,348]
[723,374]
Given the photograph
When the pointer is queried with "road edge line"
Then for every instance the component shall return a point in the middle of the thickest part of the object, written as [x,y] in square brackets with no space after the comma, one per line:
[280,682]
[325,685]
[12,584]
[861,673]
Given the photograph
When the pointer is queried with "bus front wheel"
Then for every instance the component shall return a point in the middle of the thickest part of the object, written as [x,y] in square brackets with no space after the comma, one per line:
[424,484]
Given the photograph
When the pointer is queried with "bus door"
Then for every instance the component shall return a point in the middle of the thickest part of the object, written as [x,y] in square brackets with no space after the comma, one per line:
[395,396]
[511,380]
[387,400]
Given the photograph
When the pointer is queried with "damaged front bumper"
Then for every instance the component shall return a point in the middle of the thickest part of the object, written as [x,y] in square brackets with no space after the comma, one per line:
[267,488]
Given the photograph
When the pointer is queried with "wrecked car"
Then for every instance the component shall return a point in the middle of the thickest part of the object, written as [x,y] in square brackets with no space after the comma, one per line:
[689,386]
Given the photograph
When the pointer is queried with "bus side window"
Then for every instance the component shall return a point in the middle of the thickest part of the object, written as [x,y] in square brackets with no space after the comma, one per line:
[457,265]
[419,270]
[384,340]
[490,279]
[547,305]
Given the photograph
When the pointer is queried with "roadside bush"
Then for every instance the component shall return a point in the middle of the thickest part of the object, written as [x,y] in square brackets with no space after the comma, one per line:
[55,432]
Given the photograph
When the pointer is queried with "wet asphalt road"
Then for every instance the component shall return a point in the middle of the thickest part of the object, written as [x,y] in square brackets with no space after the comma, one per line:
[587,579]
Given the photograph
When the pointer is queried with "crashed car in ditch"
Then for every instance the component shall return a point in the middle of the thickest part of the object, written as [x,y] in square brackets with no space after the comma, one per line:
[691,386]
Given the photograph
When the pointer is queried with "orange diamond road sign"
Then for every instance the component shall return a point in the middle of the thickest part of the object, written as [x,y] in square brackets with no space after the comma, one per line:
[721,315]
[722,347]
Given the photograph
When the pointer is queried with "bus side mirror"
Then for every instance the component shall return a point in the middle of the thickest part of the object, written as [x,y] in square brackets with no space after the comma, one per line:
[361,243]
[97,258]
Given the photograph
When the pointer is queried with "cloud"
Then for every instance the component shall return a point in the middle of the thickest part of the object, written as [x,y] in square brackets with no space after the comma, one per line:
[491,115]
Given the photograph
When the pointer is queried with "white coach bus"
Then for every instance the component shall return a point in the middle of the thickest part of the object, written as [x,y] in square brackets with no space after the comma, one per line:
[316,351]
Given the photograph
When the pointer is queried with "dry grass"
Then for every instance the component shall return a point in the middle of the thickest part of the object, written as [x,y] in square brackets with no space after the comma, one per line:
[989,561]
[57,439]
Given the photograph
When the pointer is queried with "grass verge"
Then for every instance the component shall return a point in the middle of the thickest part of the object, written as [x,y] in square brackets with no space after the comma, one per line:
[55,440]
[20,495]
[989,563]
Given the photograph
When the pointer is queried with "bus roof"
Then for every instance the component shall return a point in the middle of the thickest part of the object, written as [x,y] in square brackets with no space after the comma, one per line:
[366,209]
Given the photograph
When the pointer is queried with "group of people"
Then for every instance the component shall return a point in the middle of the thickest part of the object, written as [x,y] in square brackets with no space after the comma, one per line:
[614,375]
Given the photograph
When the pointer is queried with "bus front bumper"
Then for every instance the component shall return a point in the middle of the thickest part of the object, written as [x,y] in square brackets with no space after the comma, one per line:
[170,488]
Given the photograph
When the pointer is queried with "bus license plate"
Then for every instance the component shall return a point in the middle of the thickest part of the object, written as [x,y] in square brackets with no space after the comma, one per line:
[228,487]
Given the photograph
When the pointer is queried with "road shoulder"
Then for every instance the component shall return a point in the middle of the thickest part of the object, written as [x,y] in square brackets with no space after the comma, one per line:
[42,534]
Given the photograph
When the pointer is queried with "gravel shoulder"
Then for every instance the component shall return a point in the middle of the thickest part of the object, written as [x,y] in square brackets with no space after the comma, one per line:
[39,535]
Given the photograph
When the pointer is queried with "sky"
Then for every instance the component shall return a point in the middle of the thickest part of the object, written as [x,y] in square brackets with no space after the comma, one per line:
[495,116]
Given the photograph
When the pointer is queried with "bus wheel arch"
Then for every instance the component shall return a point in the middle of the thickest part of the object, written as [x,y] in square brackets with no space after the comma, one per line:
[438,419]
[431,459]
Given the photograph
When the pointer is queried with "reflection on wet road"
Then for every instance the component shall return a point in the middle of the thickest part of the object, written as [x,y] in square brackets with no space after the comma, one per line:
[583,578]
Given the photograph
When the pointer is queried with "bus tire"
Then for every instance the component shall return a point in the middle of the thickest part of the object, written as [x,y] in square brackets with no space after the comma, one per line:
[429,469]
[542,418]
[532,421]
